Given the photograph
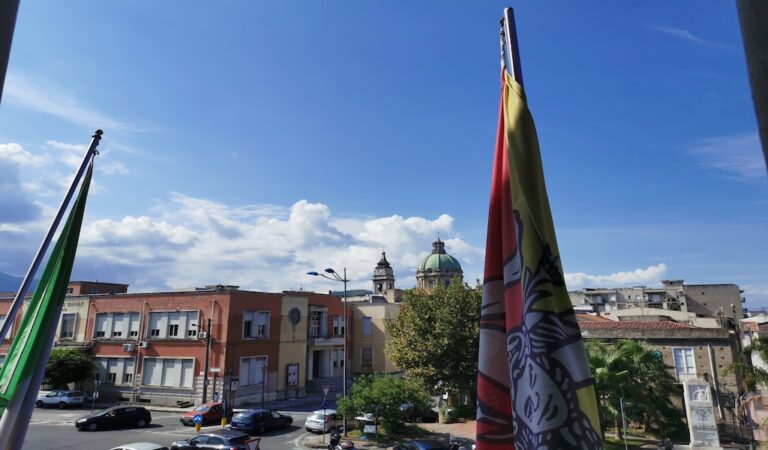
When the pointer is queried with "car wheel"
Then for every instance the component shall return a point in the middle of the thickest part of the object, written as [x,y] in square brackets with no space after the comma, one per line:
[92,427]
[39,404]
[62,405]
[141,423]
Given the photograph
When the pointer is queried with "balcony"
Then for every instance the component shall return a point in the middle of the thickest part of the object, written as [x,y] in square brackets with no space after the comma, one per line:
[325,341]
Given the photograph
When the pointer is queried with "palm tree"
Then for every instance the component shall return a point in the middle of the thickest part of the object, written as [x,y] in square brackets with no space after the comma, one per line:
[630,370]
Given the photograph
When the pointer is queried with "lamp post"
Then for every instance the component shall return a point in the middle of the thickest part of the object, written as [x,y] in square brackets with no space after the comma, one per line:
[334,276]
[207,353]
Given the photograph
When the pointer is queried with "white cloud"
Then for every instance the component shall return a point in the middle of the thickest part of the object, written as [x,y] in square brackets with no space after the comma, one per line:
[688,36]
[44,97]
[15,153]
[738,154]
[192,242]
[647,276]
[113,168]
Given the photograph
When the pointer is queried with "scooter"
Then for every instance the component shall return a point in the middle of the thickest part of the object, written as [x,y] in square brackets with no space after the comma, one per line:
[336,443]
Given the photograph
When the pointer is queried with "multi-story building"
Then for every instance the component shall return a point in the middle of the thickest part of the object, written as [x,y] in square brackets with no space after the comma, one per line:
[701,300]
[689,351]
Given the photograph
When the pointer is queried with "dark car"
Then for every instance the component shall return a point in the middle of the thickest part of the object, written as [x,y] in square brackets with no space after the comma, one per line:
[415,414]
[211,413]
[257,421]
[117,417]
[218,439]
[422,444]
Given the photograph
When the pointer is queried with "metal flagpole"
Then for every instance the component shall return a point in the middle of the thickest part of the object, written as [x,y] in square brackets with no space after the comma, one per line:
[15,420]
[509,48]
[9,9]
[17,301]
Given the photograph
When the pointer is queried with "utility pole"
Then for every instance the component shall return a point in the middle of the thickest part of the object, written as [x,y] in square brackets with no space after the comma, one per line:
[207,352]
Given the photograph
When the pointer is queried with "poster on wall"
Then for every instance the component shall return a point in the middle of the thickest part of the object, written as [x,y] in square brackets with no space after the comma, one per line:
[293,375]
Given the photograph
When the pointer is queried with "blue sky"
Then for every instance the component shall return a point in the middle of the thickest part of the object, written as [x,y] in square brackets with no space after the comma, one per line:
[249,142]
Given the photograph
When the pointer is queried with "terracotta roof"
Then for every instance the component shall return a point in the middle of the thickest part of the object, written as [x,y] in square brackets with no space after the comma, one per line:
[634,325]
[750,326]
[591,318]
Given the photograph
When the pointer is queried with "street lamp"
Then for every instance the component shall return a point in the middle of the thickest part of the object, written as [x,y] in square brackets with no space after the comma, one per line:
[207,357]
[334,276]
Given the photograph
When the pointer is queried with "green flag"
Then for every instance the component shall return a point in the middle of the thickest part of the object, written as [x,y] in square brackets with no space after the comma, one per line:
[30,348]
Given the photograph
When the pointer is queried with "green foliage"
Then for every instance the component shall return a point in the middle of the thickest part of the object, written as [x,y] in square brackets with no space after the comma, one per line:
[382,395]
[629,370]
[67,366]
[436,336]
[753,376]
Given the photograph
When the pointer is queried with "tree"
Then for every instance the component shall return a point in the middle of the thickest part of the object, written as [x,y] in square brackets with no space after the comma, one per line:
[753,376]
[383,396]
[436,336]
[629,370]
[67,366]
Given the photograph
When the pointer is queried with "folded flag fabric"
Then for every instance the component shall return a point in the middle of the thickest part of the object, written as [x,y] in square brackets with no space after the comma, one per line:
[535,390]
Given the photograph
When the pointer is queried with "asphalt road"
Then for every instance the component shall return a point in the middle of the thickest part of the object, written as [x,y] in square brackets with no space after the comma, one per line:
[54,429]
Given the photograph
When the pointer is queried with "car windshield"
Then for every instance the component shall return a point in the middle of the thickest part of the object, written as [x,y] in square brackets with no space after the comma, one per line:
[243,415]
[316,416]
[202,408]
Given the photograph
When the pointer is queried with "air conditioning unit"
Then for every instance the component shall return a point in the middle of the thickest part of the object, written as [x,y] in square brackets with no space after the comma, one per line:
[128,348]
[202,335]
[143,344]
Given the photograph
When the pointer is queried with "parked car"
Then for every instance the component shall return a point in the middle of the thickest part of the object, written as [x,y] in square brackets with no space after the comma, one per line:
[211,413]
[217,439]
[62,399]
[422,444]
[324,420]
[257,421]
[117,417]
[416,414]
[140,446]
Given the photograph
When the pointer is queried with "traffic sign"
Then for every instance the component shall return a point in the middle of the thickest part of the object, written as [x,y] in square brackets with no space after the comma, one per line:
[325,403]
[253,444]
[325,390]
[198,419]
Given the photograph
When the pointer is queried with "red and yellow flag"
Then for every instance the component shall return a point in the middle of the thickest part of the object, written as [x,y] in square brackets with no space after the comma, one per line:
[535,389]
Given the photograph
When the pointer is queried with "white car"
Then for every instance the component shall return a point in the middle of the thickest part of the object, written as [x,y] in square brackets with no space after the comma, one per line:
[61,399]
[141,446]
[324,421]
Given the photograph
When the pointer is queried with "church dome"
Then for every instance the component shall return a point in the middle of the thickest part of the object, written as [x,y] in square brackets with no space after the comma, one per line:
[439,261]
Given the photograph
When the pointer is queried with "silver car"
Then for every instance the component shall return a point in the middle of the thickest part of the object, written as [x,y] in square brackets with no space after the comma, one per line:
[62,399]
[324,421]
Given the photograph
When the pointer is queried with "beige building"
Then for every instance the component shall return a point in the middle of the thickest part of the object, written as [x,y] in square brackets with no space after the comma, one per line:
[369,337]
[701,300]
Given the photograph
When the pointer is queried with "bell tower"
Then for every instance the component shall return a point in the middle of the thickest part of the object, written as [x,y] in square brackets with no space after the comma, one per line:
[383,276]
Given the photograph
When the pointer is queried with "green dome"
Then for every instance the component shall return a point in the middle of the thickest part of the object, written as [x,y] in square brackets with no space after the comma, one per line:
[439,261]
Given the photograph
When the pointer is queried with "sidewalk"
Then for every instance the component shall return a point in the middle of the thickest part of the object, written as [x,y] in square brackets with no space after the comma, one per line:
[440,431]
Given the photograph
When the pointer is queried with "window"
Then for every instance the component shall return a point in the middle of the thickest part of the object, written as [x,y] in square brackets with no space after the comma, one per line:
[338,325]
[114,370]
[169,372]
[367,326]
[367,357]
[67,326]
[252,370]
[685,365]
[338,357]
[116,325]
[315,321]
[255,324]
[172,324]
